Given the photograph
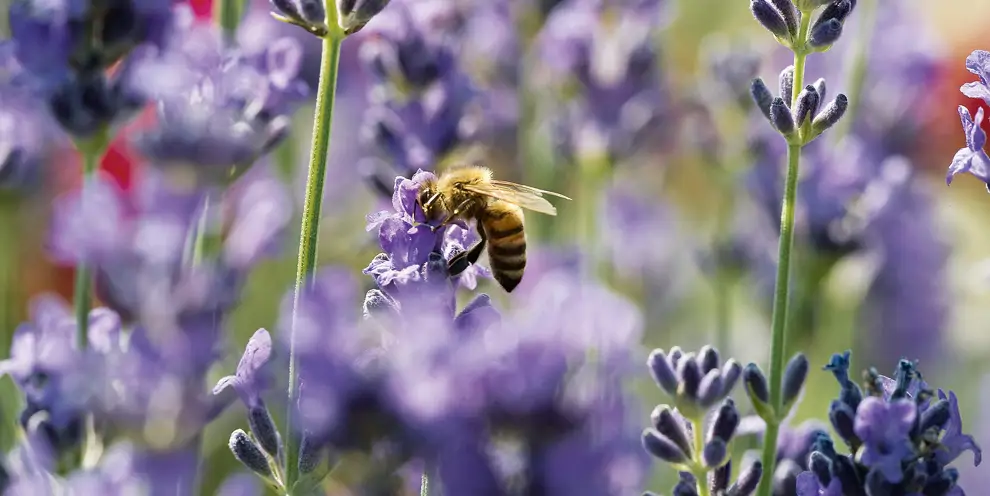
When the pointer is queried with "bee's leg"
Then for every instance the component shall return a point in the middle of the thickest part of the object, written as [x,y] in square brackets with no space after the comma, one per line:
[454,214]
[460,262]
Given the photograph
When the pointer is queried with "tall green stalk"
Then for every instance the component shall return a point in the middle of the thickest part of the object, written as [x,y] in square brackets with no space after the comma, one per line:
[310,226]
[781,293]
[228,16]
[92,150]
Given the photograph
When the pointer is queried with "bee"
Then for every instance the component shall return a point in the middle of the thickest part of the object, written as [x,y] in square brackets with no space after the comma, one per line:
[469,192]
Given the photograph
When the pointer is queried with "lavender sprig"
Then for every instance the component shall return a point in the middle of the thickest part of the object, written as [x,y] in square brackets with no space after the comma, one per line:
[799,117]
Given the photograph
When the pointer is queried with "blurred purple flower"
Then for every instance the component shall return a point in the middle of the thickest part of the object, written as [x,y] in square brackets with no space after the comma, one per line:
[25,134]
[978,63]
[219,109]
[252,376]
[972,159]
[609,52]
[884,427]
[64,48]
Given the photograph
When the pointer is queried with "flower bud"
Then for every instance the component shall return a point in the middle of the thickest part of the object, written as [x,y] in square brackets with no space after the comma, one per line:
[352,15]
[821,466]
[845,470]
[687,486]
[725,422]
[820,88]
[780,117]
[714,452]
[376,303]
[761,96]
[759,394]
[785,476]
[671,426]
[768,16]
[674,356]
[843,419]
[307,14]
[264,430]
[662,372]
[710,390]
[707,359]
[747,481]
[785,84]
[825,34]
[935,416]
[730,376]
[718,479]
[837,10]
[789,13]
[829,116]
[663,448]
[249,454]
[309,454]
[795,373]
[876,483]
[690,377]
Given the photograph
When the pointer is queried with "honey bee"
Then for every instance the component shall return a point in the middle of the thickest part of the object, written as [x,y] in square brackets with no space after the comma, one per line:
[469,192]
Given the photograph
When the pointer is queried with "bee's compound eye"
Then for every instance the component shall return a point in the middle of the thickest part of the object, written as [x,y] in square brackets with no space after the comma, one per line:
[424,196]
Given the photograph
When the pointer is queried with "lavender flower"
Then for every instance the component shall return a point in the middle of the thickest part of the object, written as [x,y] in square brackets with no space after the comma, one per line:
[65,47]
[218,109]
[420,99]
[897,438]
[24,133]
[978,63]
[972,159]
[609,52]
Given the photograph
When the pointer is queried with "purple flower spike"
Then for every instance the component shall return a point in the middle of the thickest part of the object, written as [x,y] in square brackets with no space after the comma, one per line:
[251,378]
[972,159]
[978,63]
[884,429]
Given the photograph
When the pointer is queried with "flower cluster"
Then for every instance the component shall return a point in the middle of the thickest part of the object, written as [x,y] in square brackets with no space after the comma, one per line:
[698,383]
[902,437]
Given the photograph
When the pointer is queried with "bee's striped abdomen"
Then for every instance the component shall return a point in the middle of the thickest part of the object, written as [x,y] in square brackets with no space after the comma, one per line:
[503,224]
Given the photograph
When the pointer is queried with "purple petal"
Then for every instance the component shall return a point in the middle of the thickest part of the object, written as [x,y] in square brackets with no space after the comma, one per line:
[978,63]
[976,90]
[256,354]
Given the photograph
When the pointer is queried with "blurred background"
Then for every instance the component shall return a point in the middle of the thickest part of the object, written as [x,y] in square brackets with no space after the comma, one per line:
[641,114]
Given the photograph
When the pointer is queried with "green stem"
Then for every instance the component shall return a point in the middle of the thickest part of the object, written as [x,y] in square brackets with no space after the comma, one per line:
[699,445]
[92,150]
[228,15]
[781,294]
[310,226]
[867,14]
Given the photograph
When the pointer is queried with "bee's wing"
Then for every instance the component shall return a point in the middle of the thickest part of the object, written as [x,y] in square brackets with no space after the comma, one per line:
[516,194]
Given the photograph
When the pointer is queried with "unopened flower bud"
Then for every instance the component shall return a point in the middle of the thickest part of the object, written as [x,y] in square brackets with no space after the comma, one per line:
[708,359]
[747,481]
[825,34]
[821,466]
[307,14]
[377,303]
[794,376]
[820,88]
[837,10]
[768,16]
[309,454]
[935,416]
[710,390]
[663,448]
[790,14]
[756,389]
[718,479]
[249,454]
[829,115]
[714,452]
[731,371]
[845,470]
[662,372]
[690,377]
[785,476]
[671,426]
[354,14]
[780,117]
[725,422]
[843,419]
[761,96]
[785,84]
[264,430]
[877,484]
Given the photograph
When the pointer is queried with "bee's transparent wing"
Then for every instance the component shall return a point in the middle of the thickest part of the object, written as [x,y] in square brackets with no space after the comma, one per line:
[516,194]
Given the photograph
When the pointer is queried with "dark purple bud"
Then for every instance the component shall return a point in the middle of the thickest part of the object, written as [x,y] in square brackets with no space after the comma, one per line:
[725,422]
[731,371]
[376,303]
[661,371]
[789,13]
[807,104]
[685,488]
[768,16]
[845,470]
[719,479]
[935,416]
[306,13]
[747,481]
[756,384]
[785,478]
[310,452]
[780,117]
[877,485]
[710,390]
[663,448]
[707,359]
[354,14]
[829,115]
[837,10]
[248,453]
[785,84]
[821,466]
[820,88]
[690,377]
[668,424]
[761,96]
[714,452]
[843,419]
[825,34]
[797,369]
[264,430]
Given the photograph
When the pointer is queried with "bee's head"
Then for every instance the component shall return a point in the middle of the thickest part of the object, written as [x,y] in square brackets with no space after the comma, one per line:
[430,201]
